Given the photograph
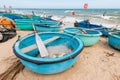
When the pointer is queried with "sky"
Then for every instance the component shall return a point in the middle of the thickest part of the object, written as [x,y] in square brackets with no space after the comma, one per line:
[60,3]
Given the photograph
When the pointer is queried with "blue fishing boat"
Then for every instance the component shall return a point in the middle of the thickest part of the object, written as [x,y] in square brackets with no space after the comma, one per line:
[41,25]
[114,40]
[25,24]
[48,65]
[89,37]
[47,28]
[105,30]
[36,17]
[87,24]
[12,16]
[48,25]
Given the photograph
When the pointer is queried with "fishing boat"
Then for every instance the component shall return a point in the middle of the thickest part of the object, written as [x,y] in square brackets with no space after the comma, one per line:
[89,37]
[114,40]
[36,17]
[41,25]
[87,24]
[12,16]
[25,24]
[47,21]
[45,65]
[105,30]
[48,26]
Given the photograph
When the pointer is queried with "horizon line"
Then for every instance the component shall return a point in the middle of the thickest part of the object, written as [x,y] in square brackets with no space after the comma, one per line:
[59,8]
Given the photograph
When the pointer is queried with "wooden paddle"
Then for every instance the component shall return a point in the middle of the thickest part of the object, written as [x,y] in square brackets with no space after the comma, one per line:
[41,47]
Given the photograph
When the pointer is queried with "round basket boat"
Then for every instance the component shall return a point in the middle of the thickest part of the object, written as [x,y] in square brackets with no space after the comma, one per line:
[114,40]
[48,65]
[25,24]
[106,31]
[89,37]
[47,28]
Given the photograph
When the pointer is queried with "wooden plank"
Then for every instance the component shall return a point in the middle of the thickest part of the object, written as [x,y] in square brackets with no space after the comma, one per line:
[34,46]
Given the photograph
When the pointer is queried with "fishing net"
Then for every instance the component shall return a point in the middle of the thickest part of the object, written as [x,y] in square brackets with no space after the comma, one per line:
[10,67]
[57,51]
[6,33]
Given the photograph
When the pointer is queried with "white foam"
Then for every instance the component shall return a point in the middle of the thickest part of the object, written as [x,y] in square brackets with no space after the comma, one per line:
[67,11]
[69,19]
[65,18]
[106,17]
[58,18]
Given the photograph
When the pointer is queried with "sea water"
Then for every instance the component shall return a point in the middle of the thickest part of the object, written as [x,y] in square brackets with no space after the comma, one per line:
[106,17]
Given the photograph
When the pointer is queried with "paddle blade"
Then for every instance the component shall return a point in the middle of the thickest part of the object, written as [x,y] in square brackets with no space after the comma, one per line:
[41,47]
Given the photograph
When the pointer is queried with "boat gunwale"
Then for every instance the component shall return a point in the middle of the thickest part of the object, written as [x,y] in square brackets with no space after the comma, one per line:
[113,34]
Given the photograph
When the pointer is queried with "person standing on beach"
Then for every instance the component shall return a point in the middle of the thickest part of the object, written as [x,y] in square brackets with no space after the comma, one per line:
[104,13]
[73,13]
[10,9]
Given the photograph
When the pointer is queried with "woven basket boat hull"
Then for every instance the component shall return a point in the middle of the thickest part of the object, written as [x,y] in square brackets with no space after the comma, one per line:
[114,40]
[48,65]
[88,39]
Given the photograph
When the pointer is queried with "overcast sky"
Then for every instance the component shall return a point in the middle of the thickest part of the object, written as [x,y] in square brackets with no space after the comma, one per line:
[60,3]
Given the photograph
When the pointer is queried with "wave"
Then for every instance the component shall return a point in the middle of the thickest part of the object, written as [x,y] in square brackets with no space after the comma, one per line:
[95,16]
[67,11]
[66,19]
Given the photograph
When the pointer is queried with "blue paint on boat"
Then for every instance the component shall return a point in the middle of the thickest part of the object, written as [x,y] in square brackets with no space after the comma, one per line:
[48,65]
[89,39]
[87,24]
[105,31]
[114,40]
[25,24]
[48,26]
[41,25]
[13,16]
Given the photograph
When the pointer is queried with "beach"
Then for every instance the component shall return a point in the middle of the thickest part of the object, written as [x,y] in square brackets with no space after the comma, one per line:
[97,62]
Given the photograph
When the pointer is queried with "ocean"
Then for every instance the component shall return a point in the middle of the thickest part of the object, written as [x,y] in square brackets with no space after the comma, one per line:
[107,17]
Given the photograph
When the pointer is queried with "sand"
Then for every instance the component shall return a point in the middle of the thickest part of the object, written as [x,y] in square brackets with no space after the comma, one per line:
[97,62]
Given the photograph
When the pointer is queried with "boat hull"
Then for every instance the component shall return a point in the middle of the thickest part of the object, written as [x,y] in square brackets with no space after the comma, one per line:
[114,40]
[48,65]
[89,39]
[25,24]
[47,28]
[105,31]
